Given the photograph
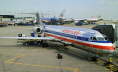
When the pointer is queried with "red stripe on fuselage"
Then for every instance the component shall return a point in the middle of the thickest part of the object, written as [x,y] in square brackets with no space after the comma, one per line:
[85,44]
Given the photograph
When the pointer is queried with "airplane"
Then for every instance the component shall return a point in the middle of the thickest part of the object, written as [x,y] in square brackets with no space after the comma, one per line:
[86,39]
[60,20]
[86,21]
[51,20]
[83,38]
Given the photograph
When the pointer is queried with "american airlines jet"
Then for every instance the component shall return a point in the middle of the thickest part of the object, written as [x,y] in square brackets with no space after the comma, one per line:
[86,39]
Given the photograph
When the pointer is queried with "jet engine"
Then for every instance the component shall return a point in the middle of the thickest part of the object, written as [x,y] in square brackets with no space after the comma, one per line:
[37,30]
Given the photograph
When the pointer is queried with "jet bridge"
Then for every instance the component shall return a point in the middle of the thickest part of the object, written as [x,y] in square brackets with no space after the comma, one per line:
[110,30]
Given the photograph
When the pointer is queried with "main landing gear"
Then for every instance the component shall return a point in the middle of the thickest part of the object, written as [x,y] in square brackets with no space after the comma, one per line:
[41,43]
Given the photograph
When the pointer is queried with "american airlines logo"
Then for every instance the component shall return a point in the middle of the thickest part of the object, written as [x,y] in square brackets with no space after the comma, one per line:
[71,32]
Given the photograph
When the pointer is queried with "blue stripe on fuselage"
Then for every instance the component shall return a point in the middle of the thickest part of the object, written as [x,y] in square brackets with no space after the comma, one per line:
[102,41]
[75,37]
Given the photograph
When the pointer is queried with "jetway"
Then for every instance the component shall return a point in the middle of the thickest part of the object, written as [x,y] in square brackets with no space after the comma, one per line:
[110,30]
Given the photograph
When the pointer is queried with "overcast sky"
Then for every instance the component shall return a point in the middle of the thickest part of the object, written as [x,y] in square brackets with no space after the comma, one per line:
[108,9]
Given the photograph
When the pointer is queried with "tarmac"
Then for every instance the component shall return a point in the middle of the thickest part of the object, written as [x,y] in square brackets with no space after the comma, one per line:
[15,57]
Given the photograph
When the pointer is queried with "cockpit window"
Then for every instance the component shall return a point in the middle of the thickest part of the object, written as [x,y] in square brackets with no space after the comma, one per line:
[93,38]
[97,39]
[100,39]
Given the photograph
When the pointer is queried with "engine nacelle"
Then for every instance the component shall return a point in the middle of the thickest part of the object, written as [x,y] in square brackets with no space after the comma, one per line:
[37,30]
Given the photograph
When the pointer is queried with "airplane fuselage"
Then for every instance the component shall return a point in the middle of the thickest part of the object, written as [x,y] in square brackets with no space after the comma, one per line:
[87,39]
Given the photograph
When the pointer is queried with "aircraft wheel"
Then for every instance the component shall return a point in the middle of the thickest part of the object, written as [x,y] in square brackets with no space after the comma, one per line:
[43,43]
[38,43]
[25,43]
[65,48]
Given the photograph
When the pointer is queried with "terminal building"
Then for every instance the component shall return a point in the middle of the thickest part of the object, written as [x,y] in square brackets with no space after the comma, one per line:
[6,19]
[13,20]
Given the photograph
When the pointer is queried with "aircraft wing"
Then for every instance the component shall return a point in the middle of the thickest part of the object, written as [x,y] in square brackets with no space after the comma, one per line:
[28,38]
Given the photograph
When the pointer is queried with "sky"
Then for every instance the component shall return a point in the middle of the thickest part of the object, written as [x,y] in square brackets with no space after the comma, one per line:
[107,9]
